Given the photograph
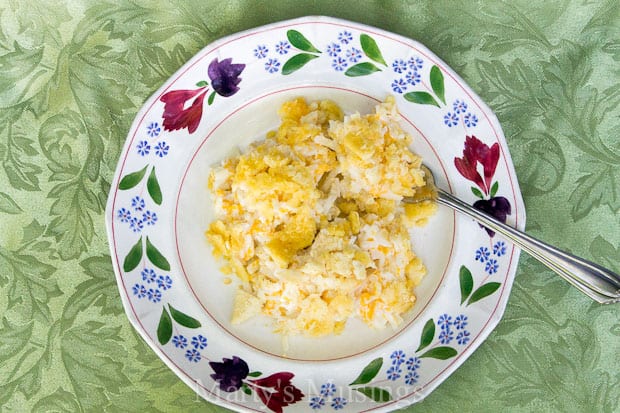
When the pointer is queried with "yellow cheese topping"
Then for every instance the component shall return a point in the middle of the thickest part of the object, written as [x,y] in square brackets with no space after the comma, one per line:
[310,220]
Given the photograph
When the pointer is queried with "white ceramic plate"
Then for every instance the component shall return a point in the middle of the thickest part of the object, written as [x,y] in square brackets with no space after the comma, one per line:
[227,96]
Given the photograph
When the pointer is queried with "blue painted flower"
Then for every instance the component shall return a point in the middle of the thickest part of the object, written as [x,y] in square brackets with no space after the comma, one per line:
[149,218]
[179,341]
[137,203]
[317,402]
[154,295]
[124,215]
[261,51]
[444,321]
[283,47]
[139,291]
[398,357]
[499,248]
[199,342]
[491,266]
[399,65]
[446,336]
[393,373]
[339,403]
[413,363]
[451,119]
[412,378]
[459,106]
[328,389]
[136,224]
[415,63]
[399,85]
[353,55]
[339,64]
[193,355]
[164,282]
[272,65]
[413,77]
[482,254]
[463,337]
[470,120]
[143,148]
[148,275]
[161,149]
[333,49]
[345,37]
[460,321]
[153,130]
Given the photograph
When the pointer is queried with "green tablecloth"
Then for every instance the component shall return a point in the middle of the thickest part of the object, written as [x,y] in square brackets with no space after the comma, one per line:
[73,75]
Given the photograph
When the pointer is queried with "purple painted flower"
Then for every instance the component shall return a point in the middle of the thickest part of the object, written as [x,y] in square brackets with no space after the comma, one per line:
[499,207]
[230,373]
[224,76]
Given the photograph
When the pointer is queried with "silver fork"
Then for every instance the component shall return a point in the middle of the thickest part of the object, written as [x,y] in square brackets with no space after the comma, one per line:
[595,281]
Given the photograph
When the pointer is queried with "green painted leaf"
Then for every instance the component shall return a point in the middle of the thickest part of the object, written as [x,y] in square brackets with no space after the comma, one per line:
[297,62]
[362,69]
[132,179]
[183,319]
[484,291]
[156,257]
[7,205]
[494,189]
[441,353]
[133,257]
[164,328]
[467,283]
[477,192]
[371,49]
[428,333]
[422,98]
[246,389]
[152,185]
[437,83]
[299,41]
[255,374]
[375,393]
[369,372]
[211,98]
[202,83]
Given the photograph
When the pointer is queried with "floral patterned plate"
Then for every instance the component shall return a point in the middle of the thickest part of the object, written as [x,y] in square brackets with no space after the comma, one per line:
[227,96]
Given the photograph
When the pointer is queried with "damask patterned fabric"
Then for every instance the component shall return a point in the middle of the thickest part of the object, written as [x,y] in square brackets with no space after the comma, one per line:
[73,75]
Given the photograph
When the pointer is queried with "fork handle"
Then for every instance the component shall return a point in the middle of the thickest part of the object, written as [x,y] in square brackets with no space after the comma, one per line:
[597,282]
